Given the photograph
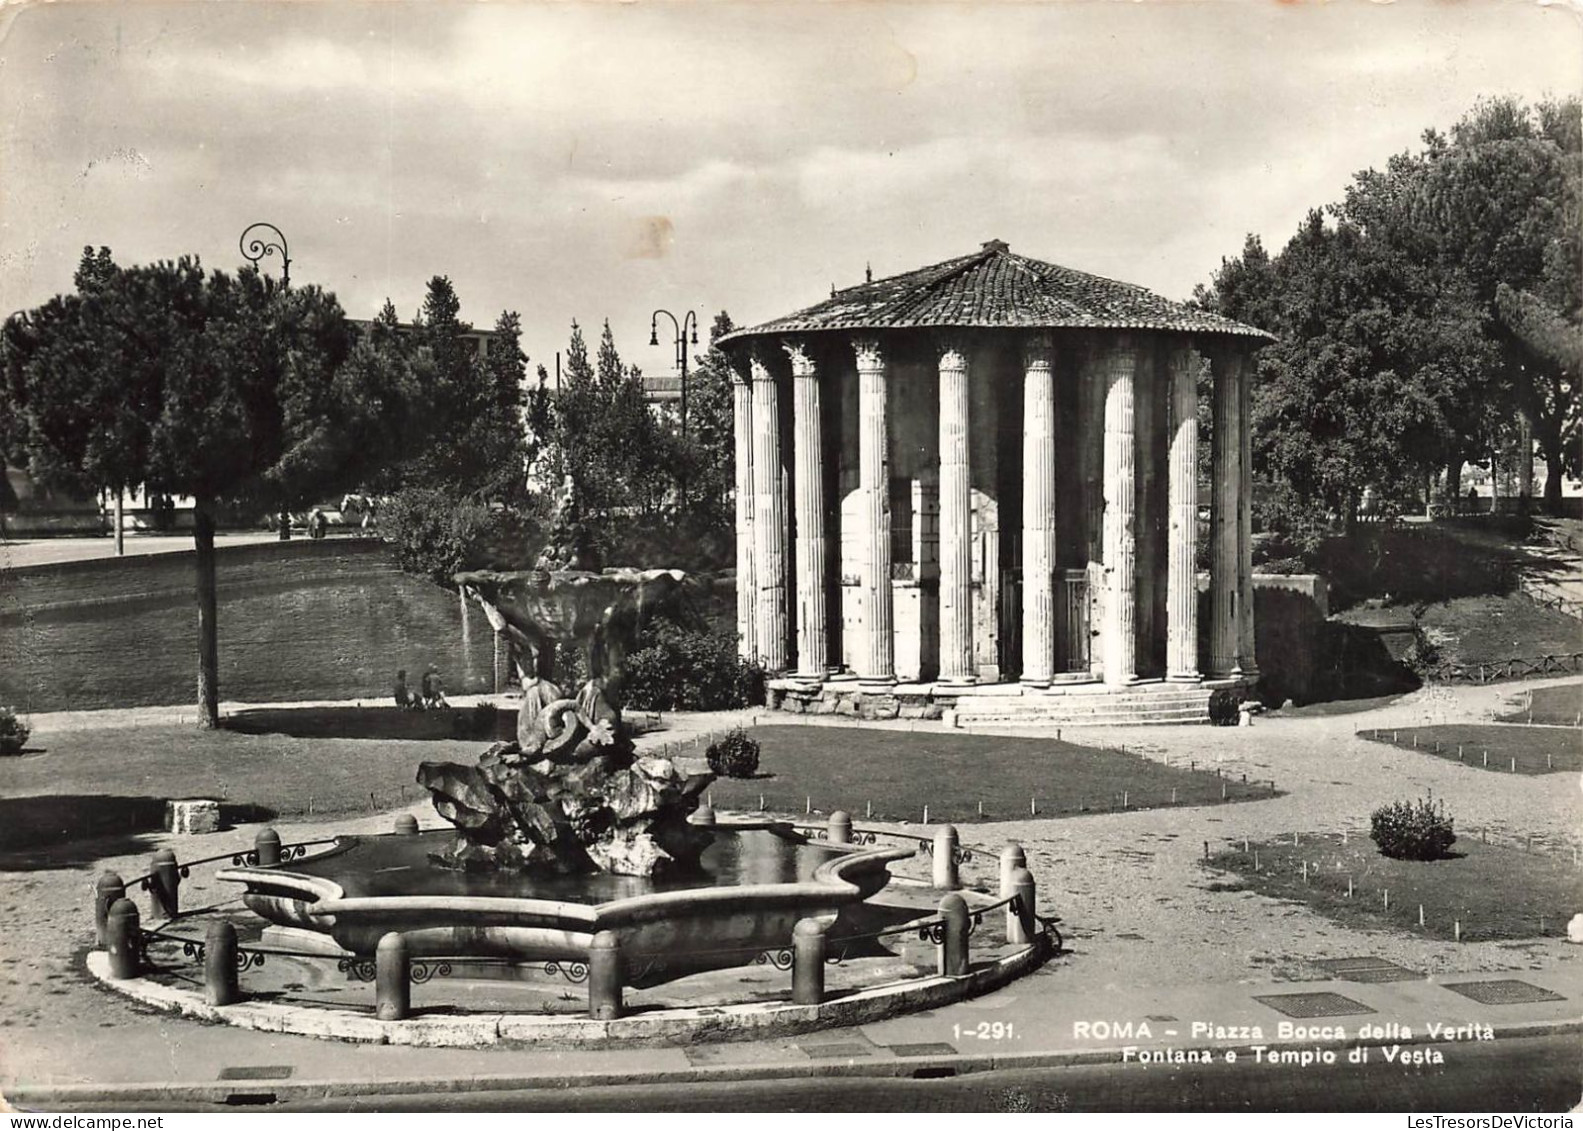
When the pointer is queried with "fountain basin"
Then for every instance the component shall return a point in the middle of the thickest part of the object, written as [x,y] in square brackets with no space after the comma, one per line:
[758,880]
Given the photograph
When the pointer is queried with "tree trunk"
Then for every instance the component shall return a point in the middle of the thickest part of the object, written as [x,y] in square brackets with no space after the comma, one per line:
[1550,444]
[285,525]
[208,633]
[1454,480]
[120,515]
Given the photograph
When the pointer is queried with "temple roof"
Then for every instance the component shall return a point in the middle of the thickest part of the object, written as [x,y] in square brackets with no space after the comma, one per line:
[994,288]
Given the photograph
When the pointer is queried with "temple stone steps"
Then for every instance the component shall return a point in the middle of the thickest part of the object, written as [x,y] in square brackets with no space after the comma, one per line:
[1161,705]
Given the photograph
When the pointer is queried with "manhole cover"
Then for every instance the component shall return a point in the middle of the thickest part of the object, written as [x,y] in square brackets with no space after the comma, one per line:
[837,1051]
[1506,991]
[1366,969]
[1313,1005]
[256,1072]
[927,1048]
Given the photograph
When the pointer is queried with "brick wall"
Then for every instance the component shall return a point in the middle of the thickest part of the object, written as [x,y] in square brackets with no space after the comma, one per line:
[297,620]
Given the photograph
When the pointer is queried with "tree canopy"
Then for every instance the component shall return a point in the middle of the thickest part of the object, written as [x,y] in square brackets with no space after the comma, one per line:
[1424,315]
[228,388]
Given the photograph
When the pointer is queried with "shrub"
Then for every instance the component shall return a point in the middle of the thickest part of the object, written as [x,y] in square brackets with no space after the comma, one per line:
[734,756]
[13,732]
[434,533]
[686,669]
[1418,830]
[1223,707]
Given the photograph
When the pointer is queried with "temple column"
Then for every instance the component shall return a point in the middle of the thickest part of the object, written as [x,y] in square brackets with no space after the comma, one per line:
[1120,362]
[813,649]
[1038,511]
[956,521]
[769,520]
[1090,461]
[1225,482]
[879,654]
[1181,595]
[747,588]
[1245,648]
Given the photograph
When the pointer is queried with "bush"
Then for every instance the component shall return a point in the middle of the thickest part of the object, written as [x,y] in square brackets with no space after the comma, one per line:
[13,732]
[685,669]
[734,756]
[435,534]
[1418,830]
[1223,707]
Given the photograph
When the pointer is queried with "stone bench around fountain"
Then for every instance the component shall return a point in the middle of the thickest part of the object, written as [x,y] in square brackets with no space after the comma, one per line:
[351,893]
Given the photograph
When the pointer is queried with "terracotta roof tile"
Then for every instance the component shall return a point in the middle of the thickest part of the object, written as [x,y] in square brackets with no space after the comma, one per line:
[995,288]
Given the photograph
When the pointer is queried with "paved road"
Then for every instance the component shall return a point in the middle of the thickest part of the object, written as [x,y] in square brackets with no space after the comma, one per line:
[1540,1074]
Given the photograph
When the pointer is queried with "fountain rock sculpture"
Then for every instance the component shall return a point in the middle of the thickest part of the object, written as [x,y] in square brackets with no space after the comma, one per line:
[569,795]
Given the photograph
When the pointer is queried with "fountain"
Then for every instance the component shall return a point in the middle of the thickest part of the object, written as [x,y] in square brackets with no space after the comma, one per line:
[568,831]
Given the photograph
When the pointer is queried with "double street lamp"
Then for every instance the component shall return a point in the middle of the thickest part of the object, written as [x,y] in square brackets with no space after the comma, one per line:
[689,322]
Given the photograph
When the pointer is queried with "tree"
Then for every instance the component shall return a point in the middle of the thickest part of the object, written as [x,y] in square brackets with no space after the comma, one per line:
[710,448]
[221,387]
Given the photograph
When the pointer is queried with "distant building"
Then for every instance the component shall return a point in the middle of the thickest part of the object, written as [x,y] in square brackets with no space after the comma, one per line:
[483,340]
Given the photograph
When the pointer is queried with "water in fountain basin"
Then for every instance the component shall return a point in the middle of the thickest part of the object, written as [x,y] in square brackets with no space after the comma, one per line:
[402,865]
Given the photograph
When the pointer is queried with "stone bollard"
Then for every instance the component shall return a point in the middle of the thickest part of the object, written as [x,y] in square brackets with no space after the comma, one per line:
[108,888]
[392,968]
[703,815]
[123,938]
[945,844]
[953,948]
[220,984]
[840,829]
[266,846]
[1021,926]
[604,977]
[406,825]
[808,952]
[164,885]
[1012,857]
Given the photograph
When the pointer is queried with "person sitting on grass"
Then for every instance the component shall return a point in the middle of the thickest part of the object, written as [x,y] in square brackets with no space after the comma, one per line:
[405,699]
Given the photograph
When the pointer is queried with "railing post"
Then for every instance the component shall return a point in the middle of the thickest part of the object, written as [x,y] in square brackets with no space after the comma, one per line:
[945,846]
[108,888]
[219,965]
[808,954]
[1012,857]
[266,846]
[164,885]
[953,947]
[1021,925]
[123,939]
[840,828]
[406,825]
[605,976]
[392,968]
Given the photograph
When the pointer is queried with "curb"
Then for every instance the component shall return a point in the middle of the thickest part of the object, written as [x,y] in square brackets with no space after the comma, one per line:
[933,1066]
[664,1028]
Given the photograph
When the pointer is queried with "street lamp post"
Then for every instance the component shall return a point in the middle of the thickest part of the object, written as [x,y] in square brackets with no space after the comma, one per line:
[260,245]
[688,322]
[253,250]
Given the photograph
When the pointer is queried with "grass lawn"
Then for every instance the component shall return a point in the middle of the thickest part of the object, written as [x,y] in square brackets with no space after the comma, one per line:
[1552,706]
[1494,892]
[1471,630]
[899,772]
[1533,750]
[72,785]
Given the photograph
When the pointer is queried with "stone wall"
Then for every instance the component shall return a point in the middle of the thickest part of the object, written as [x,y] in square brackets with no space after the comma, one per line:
[297,620]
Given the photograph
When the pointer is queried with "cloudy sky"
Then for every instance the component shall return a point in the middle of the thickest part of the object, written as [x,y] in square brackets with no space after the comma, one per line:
[593,159]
